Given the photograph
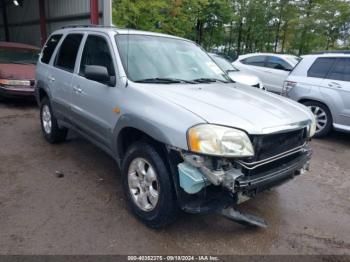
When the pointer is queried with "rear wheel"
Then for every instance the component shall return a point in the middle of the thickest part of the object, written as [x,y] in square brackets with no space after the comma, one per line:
[323,117]
[148,186]
[50,129]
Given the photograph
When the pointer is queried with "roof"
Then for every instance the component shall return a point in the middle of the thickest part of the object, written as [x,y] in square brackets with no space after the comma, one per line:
[272,54]
[18,45]
[117,30]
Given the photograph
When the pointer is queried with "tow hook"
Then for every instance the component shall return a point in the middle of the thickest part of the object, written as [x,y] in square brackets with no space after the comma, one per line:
[241,218]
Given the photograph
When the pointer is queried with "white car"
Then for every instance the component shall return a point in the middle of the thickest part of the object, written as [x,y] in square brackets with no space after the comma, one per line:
[272,69]
[243,78]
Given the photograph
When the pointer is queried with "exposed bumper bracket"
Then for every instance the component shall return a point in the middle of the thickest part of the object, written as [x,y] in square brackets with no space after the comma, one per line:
[243,219]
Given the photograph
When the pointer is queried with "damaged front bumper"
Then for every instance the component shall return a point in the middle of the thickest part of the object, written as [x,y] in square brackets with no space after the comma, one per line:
[211,184]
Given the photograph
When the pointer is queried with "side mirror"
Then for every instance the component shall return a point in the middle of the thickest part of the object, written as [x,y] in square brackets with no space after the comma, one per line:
[99,74]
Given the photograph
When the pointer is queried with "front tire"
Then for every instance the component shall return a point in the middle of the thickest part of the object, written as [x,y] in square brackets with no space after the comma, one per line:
[148,186]
[323,117]
[49,126]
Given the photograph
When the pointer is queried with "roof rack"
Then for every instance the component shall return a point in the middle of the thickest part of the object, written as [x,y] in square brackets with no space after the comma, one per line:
[332,52]
[87,26]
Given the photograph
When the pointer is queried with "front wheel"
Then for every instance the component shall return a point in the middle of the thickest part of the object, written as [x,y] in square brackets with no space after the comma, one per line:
[50,129]
[148,186]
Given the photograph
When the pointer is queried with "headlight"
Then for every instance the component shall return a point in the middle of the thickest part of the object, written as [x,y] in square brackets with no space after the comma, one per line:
[313,127]
[219,141]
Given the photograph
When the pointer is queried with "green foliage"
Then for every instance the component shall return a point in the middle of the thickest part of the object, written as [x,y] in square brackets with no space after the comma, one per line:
[241,26]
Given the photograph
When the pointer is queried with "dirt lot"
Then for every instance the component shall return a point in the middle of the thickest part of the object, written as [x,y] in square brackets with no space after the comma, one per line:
[84,212]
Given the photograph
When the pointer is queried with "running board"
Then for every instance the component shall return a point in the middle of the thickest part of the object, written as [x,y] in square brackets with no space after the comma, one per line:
[243,219]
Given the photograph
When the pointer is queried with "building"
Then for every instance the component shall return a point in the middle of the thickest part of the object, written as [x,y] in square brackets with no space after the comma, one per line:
[31,21]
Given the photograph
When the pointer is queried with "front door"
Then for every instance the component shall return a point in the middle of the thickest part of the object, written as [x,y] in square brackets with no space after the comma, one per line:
[277,72]
[94,102]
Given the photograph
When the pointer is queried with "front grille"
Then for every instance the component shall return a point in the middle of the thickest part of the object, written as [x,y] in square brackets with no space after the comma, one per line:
[266,146]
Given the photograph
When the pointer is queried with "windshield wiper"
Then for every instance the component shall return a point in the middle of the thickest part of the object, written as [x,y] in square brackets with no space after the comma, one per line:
[209,80]
[159,80]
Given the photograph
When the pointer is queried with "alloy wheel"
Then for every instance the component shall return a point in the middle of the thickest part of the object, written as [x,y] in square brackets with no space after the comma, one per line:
[143,184]
[46,119]
[321,117]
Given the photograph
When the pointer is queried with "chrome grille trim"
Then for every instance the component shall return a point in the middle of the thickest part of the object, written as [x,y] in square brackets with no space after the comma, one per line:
[253,165]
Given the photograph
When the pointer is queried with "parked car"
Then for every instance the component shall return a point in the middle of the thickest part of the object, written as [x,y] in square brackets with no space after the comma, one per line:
[272,69]
[184,135]
[322,83]
[236,75]
[17,69]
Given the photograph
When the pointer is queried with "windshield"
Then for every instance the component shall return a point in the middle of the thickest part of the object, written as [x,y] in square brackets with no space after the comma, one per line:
[18,56]
[165,58]
[223,63]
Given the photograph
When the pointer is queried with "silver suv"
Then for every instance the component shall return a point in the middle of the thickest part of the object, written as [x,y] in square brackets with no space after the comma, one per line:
[322,83]
[185,137]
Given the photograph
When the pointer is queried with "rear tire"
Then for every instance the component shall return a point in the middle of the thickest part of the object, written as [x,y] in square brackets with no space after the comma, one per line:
[323,117]
[49,126]
[152,202]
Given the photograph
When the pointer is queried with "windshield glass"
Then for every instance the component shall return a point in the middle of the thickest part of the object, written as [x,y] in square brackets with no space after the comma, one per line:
[154,57]
[18,56]
[223,63]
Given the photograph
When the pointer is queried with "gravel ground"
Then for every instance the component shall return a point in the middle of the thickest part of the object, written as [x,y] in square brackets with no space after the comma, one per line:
[84,212]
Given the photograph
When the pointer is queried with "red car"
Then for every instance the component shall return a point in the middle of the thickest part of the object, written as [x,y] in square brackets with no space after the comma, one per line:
[17,69]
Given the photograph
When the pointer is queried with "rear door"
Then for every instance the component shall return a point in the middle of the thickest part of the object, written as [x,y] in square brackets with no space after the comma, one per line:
[336,88]
[61,74]
[277,71]
[94,102]
[43,65]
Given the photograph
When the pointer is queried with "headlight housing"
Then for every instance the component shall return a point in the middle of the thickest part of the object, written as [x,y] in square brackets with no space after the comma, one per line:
[313,126]
[219,141]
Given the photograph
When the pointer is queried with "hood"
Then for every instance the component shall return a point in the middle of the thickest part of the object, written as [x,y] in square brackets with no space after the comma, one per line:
[250,109]
[244,78]
[17,71]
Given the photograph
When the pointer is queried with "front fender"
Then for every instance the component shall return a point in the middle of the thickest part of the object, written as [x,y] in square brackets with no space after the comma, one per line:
[139,123]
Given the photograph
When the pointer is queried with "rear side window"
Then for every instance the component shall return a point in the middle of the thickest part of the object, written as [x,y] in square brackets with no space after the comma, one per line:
[68,52]
[254,60]
[49,48]
[321,67]
[96,52]
[341,70]
[277,63]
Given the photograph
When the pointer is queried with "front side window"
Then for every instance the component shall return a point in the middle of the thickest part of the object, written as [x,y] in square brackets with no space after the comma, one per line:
[341,70]
[10,55]
[96,52]
[255,60]
[49,48]
[321,67]
[68,52]
[153,58]
[277,63]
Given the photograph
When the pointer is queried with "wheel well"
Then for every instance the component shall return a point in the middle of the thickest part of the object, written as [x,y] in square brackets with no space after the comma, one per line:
[302,101]
[42,94]
[130,135]
[312,100]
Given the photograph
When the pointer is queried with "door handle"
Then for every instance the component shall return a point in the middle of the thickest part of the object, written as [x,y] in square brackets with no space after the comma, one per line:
[334,84]
[51,78]
[77,89]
